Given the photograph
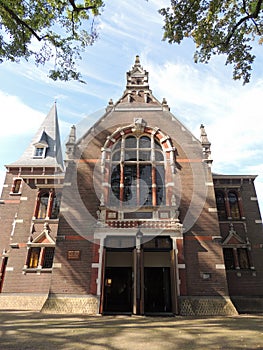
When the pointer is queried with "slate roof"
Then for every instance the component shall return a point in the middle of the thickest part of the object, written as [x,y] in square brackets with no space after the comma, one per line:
[48,135]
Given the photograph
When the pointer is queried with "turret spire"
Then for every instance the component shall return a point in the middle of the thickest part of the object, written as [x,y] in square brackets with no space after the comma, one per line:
[45,148]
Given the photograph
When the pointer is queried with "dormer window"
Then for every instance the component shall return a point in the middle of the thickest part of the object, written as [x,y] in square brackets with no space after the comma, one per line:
[41,146]
[39,152]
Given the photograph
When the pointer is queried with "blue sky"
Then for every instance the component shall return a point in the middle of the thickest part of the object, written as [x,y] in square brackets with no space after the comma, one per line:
[196,93]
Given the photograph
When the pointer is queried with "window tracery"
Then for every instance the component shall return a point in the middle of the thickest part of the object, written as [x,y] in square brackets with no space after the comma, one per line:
[47,204]
[137,171]
[229,205]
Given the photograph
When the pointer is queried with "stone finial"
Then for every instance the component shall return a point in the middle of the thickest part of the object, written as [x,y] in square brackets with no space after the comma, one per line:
[110,105]
[165,105]
[137,60]
[206,144]
[70,145]
[204,139]
[72,135]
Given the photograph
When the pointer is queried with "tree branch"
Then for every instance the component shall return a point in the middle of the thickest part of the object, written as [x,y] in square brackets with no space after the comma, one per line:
[80,8]
[251,16]
[20,21]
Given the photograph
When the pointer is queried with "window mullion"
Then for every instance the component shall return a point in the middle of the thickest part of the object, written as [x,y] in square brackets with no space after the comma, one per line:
[237,266]
[37,205]
[154,189]
[50,203]
[41,257]
[228,211]
[121,183]
[138,182]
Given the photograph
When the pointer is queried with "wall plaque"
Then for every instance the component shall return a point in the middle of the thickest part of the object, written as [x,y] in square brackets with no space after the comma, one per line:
[73,255]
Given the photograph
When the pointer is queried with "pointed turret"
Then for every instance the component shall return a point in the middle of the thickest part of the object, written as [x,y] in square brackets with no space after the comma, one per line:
[45,148]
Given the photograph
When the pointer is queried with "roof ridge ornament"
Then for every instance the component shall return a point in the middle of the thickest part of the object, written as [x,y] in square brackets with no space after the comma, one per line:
[137,77]
[137,61]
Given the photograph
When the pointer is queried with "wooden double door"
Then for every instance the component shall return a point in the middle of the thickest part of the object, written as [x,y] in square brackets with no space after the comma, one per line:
[137,285]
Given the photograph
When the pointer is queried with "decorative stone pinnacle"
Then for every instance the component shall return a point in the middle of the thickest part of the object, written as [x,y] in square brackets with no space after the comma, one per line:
[137,60]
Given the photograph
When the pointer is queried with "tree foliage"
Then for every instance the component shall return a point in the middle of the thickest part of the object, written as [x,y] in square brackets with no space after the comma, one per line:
[48,30]
[217,27]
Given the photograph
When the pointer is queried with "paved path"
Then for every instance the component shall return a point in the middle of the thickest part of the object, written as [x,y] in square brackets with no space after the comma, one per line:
[36,331]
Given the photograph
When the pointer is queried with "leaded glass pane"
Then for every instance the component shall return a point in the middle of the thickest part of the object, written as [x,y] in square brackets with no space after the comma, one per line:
[33,257]
[56,206]
[131,142]
[145,184]
[243,258]
[42,211]
[144,142]
[130,188]
[233,202]
[48,258]
[116,156]
[130,155]
[117,145]
[144,155]
[220,203]
[160,186]
[229,258]
[159,156]
[115,186]
[157,145]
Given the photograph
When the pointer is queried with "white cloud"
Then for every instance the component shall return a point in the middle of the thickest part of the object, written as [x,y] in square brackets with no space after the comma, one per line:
[18,122]
[16,117]
[231,113]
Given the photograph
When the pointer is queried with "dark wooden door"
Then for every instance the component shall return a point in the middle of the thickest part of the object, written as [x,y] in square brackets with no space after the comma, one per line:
[157,290]
[118,290]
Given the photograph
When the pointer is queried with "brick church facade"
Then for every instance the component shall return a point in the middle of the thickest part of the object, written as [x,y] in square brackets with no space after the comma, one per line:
[132,222]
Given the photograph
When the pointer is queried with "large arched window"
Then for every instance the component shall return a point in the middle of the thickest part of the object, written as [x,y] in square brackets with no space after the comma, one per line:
[137,172]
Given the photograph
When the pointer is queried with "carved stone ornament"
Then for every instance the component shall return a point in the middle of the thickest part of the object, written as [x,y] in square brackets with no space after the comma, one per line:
[139,126]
